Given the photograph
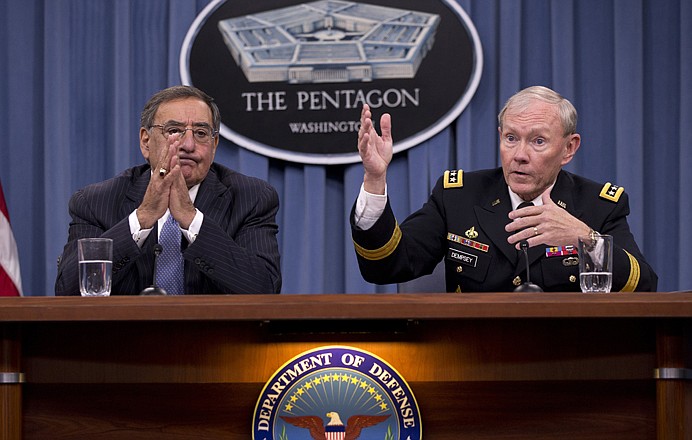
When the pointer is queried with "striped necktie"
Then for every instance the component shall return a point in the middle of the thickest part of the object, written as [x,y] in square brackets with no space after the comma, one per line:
[170,272]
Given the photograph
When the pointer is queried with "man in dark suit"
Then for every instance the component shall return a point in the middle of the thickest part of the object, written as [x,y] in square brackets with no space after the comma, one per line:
[474,220]
[226,219]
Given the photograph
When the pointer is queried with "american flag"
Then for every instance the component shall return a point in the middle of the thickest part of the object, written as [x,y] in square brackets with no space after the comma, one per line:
[10,277]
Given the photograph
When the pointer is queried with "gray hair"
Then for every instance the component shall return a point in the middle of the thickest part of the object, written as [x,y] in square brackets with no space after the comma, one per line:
[175,93]
[566,111]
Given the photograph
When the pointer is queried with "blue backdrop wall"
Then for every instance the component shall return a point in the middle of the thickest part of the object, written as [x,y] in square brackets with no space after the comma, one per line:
[74,75]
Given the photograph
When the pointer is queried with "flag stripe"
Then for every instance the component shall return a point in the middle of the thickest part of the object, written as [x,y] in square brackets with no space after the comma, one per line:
[10,276]
[7,287]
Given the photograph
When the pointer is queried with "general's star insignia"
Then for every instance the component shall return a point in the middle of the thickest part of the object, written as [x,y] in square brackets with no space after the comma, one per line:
[611,192]
[453,179]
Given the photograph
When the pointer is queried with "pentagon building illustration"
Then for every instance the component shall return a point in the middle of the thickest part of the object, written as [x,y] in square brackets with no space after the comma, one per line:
[330,41]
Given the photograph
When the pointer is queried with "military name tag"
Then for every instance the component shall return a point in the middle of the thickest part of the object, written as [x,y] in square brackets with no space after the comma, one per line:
[462,257]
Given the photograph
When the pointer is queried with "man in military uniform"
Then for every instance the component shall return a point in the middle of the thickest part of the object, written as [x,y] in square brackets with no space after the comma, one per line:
[475,222]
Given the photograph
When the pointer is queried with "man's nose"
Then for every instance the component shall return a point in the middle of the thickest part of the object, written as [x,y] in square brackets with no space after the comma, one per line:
[187,139]
[521,153]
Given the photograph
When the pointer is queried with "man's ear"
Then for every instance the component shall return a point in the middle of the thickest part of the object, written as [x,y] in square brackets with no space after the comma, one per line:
[144,139]
[571,148]
[213,150]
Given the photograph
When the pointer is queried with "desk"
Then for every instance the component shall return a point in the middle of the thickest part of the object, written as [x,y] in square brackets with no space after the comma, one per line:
[499,365]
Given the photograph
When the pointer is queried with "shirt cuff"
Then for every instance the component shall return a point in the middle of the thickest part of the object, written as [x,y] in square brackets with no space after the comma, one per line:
[139,235]
[369,208]
[192,231]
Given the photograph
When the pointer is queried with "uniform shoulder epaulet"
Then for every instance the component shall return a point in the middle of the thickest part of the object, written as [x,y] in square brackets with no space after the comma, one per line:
[454,179]
[611,192]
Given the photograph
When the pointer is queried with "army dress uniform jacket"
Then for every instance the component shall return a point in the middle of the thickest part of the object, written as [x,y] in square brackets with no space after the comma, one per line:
[464,221]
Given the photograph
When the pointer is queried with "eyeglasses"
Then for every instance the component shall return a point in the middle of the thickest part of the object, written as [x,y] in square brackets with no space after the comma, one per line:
[202,134]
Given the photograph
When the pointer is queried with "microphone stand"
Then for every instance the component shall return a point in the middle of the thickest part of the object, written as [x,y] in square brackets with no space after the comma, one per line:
[154,289]
[528,286]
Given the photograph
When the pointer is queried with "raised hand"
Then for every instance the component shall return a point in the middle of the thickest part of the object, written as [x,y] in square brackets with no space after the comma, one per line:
[375,150]
[167,189]
[180,204]
[156,198]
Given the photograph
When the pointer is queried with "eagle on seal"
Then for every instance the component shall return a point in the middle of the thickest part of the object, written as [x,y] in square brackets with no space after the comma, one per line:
[335,429]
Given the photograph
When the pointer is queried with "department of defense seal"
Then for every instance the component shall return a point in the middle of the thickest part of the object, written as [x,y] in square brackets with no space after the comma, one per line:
[336,393]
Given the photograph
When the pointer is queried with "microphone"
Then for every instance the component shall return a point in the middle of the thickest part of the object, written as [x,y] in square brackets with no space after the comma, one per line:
[153,289]
[528,286]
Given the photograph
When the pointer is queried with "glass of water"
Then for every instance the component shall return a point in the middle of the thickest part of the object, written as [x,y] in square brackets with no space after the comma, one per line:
[95,263]
[596,263]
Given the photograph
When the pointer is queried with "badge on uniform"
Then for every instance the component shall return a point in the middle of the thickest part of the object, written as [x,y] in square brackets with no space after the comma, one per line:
[564,251]
[471,232]
[570,261]
[559,251]
[611,192]
[467,242]
[453,179]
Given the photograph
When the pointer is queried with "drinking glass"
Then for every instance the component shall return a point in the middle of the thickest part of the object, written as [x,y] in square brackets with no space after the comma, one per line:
[95,263]
[596,263]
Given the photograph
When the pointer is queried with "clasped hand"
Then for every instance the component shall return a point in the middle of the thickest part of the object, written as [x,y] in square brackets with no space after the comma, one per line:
[168,191]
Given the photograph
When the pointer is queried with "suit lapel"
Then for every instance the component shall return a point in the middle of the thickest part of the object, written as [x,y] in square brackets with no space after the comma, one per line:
[492,218]
[562,194]
[214,201]
[211,200]
[536,252]
[133,198]
[135,193]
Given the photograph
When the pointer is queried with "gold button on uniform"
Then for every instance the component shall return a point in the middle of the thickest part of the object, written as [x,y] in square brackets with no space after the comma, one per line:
[459,269]
[516,281]
[572,279]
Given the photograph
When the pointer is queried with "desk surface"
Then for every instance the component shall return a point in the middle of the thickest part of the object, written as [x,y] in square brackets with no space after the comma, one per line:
[539,366]
[347,306]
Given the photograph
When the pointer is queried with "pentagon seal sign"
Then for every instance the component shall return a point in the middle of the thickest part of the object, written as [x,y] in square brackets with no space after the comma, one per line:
[336,393]
[290,77]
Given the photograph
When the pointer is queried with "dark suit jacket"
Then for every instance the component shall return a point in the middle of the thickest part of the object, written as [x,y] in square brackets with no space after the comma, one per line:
[236,250]
[388,253]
